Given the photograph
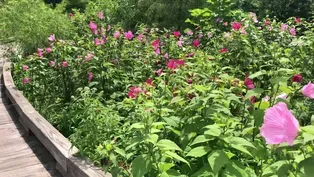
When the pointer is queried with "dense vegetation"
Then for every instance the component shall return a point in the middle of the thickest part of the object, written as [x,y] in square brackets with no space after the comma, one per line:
[229,96]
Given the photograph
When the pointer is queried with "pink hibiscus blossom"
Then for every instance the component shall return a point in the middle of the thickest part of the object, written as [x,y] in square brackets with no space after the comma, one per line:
[89,57]
[248,82]
[166,55]
[26,80]
[159,72]
[25,67]
[134,92]
[280,125]
[284,27]
[116,34]
[297,78]
[65,64]
[196,43]
[40,52]
[282,96]
[179,43]
[236,26]
[308,90]
[149,82]
[189,32]
[128,35]
[298,20]
[223,50]
[93,27]
[174,64]
[293,32]
[52,63]
[140,37]
[176,33]
[100,41]
[48,50]
[52,38]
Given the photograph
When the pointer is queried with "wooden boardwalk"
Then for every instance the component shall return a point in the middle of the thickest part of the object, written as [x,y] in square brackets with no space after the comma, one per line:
[21,154]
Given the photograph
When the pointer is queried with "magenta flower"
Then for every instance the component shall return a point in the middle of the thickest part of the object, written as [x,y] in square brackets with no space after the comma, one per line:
[166,55]
[176,33]
[134,92]
[308,90]
[149,82]
[189,81]
[196,43]
[159,72]
[174,64]
[90,76]
[298,20]
[249,83]
[89,57]
[25,67]
[128,35]
[190,55]
[26,80]
[297,78]
[40,52]
[267,22]
[48,50]
[100,41]
[65,64]
[284,27]
[51,63]
[71,15]
[93,27]
[116,34]
[236,26]
[100,15]
[293,32]
[223,50]
[280,125]
[52,38]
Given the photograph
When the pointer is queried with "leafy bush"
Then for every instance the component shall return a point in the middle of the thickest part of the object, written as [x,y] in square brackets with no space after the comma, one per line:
[28,23]
[168,103]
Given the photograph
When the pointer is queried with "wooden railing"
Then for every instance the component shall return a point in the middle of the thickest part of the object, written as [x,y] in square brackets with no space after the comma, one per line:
[60,148]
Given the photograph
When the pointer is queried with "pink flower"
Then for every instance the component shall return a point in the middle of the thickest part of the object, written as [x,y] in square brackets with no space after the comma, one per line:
[253,16]
[298,20]
[71,15]
[140,37]
[209,34]
[134,92]
[267,22]
[308,90]
[99,41]
[52,38]
[293,32]
[179,43]
[25,67]
[242,31]
[116,34]
[90,76]
[223,50]
[297,78]
[266,98]
[93,27]
[225,23]
[51,63]
[89,57]
[249,83]
[176,33]
[196,43]
[48,50]
[65,64]
[26,80]
[280,125]
[189,81]
[40,52]
[166,56]
[200,35]
[284,27]
[189,32]
[190,55]
[174,64]
[128,35]
[159,72]
[108,27]
[100,15]
[149,82]
[156,44]
[236,26]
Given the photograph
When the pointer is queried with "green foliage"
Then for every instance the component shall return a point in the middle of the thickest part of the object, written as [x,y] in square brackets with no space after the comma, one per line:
[29,23]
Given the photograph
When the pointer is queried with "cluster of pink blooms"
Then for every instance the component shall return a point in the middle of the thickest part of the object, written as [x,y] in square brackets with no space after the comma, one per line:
[174,64]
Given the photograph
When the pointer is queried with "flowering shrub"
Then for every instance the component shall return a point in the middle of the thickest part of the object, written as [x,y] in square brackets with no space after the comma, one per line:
[168,103]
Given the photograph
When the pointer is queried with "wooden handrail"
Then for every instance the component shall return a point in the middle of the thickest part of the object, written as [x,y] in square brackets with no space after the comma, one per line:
[60,148]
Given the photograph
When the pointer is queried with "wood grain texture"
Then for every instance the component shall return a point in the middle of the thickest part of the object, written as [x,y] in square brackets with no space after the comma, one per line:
[58,146]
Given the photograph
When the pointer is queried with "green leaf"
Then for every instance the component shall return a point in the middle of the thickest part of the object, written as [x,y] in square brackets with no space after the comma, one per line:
[258,117]
[199,151]
[235,169]
[213,130]
[137,126]
[254,92]
[176,100]
[201,139]
[306,167]
[307,137]
[242,149]
[308,129]
[177,157]
[217,159]
[120,151]
[200,88]
[140,166]
[257,74]
[163,166]
[274,168]
[240,141]
[152,138]
[164,174]
[166,144]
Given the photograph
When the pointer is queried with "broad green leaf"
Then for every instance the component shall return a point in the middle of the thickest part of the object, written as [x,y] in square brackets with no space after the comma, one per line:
[163,166]
[242,149]
[200,88]
[205,171]
[258,117]
[176,100]
[308,129]
[201,139]
[307,137]
[137,126]
[164,174]
[120,151]
[235,169]
[152,138]
[306,167]
[217,159]
[213,130]
[275,167]
[257,74]
[177,157]
[254,92]
[140,166]
[166,144]
[199,151]
[240,141]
